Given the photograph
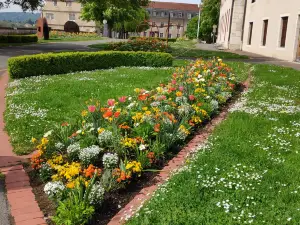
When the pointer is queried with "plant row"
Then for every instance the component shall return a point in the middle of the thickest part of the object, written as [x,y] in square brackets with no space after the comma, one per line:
[113,142]
[154,38]
[61,63]
[18,38]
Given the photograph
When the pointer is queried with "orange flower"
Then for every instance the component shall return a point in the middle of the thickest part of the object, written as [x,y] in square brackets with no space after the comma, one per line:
[117,114]
[157,127]
[90,171]
[64,124]
[36,160]
[151,157]
[124,126]
[108,114]
[143,97]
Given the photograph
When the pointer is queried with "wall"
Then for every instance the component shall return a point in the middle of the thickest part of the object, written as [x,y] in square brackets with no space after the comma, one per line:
[61,15]
[224,23]
[272,10]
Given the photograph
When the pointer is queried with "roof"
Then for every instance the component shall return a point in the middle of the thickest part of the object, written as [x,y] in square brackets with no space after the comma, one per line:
[173,6]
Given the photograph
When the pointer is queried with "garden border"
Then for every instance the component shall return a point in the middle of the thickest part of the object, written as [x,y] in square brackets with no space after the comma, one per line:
[174,164]
[23,207]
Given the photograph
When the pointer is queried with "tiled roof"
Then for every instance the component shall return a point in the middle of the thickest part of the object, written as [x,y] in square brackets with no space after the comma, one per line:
[173,6]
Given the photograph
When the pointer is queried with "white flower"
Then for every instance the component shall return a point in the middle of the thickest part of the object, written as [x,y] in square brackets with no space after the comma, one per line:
[79,132]
[105,137]
[73,148]
[142,147]
[96,195]
[87,155]
[59,145]
[47,134]
[110,160]
[54,189]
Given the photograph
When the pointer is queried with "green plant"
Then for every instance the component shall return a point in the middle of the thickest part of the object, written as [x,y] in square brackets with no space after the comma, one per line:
[18,38]
[60,63]
[154,38]
[76,209]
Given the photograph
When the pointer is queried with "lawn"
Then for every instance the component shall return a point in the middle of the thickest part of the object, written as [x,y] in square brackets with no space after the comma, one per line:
[35,104]
[187,49]
[248,172]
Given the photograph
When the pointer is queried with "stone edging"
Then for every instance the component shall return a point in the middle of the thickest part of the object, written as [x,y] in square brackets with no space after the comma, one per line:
[21,199]
[178,161]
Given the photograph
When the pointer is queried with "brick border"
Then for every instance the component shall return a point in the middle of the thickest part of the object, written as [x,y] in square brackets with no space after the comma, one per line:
[23,207]
[178,161]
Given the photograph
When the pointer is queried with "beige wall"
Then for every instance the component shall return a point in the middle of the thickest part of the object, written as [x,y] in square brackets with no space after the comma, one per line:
[272,10]
[224,22]
[61,13]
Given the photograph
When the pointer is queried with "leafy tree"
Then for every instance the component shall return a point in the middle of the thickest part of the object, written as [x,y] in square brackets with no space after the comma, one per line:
[209,16]
[192,27]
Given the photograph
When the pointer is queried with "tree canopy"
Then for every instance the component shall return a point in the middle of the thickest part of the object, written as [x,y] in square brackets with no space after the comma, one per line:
[192,27]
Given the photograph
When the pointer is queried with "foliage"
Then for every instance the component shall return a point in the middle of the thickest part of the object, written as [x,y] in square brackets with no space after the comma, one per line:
[139,44]
[59,63]
[209,17]
[192,28]
[135,132]
[18,38]
[156,38]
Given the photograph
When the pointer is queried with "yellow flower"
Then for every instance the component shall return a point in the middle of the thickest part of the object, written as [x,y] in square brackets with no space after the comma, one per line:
[199,90]
[70,185]
[145,108]
[159,89]
[44,141]
[137,90]
[33,140]
[100,130]
[178,93]
[137,117]
[84,113]
[55,177]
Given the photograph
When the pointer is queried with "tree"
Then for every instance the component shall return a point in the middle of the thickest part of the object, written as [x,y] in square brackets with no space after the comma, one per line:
[209,16]
[192,27]
[121,17]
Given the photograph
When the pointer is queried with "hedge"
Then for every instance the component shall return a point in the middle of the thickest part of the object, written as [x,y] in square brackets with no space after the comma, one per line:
[162,39]
[66,62]
[18,38]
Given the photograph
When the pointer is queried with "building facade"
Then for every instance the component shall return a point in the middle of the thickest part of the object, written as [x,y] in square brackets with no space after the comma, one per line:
[159,12]
[267,27]
[58,13]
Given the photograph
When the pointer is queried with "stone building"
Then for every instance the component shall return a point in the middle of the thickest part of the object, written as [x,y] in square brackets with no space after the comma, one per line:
[58,13]
[180,14]
[267,27]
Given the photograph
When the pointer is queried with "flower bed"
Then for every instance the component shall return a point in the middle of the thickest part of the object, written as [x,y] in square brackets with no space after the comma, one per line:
[113,143]
[139,44]
[70,35]
[157,38]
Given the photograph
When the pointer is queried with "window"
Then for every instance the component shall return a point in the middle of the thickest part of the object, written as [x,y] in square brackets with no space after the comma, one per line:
[171,14]
[178,35]
[68,4]
[170,36]
[161,35]
[265,31]
[49,16]
[180,14]
[189,16]
[162,14]
[250,33]
[72,16]
[252,1]
[145,34]
[162,24]
[284,24]
[55,2]
[154,13]
[178,26]
[153,24]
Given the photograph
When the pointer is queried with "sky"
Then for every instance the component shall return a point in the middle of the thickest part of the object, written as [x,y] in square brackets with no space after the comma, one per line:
[14,8]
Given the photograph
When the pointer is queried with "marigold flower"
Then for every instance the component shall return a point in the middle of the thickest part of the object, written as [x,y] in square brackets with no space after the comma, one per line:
[178,93]
[84,113]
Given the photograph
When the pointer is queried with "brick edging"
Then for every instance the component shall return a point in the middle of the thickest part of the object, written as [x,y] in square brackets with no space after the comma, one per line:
[23,207]
[178,161]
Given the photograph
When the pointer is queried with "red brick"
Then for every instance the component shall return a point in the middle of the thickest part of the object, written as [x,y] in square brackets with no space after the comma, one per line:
[27,216]
[37,221]
[17,185]
[32,209]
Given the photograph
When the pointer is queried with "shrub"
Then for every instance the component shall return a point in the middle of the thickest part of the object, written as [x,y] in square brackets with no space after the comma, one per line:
[60,63]
[154,38]
[18,38]
[140,44]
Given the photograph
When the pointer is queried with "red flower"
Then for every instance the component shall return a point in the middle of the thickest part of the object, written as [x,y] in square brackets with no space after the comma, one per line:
[122,99]
[143,97]
[108,114]
[117,114]
[111,102]
[92,108]
[157,127]
[192,97]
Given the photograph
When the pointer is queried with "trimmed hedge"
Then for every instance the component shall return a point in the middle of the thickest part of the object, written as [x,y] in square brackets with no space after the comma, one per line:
[66,62]
[162,39]
[18,38]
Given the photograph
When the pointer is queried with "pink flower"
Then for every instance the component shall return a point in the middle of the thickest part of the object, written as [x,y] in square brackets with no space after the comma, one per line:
[122,99]
[92,108]
[192,97]
[173,81]
[181,88]
[111,102]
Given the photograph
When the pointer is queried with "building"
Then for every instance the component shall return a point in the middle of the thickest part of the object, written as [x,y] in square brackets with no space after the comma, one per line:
[267,27]
[180,14]
[58,13]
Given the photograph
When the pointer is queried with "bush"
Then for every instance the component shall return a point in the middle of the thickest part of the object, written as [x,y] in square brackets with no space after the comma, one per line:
[140,44]
[60,63]
[18,38]
[155,38]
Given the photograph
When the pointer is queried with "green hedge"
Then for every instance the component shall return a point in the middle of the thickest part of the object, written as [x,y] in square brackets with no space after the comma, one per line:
[162,39]
[18,38]
[60,63]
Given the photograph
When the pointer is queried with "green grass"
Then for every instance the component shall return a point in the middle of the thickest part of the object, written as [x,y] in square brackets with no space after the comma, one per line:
[249,172]
[36,104]
[187,49]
